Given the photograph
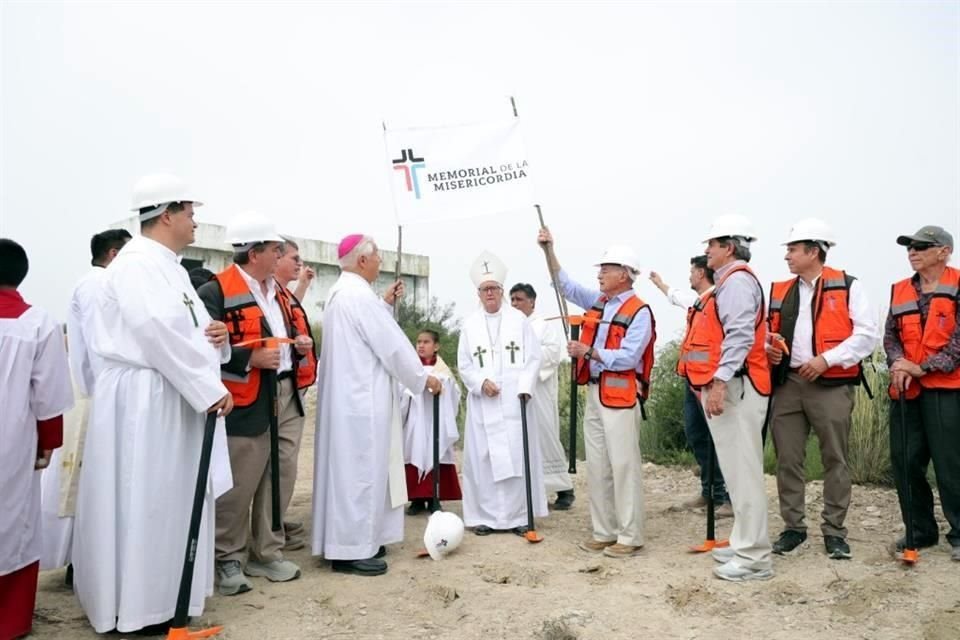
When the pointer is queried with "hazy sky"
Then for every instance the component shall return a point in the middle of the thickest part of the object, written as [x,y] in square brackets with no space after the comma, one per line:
[643,121]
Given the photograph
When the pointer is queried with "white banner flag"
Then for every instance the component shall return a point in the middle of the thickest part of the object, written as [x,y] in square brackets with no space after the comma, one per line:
[445,173]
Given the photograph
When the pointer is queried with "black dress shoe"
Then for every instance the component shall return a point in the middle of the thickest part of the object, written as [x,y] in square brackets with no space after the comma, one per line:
[433,507]
[382,551]
[482,530]
[520,531]
[920,543]
[68,579]
[564,500]
[416,507]
[369,567]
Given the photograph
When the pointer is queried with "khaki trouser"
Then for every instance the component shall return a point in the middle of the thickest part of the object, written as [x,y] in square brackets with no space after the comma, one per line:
[248,506]
[799,405]
[737,438]
[614,471]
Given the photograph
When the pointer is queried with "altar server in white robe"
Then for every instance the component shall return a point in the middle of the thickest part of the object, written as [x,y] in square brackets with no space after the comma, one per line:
[499,361]
[160,377]
[553,353]
[359,487]
[417,411]
[59,486]
[34,394]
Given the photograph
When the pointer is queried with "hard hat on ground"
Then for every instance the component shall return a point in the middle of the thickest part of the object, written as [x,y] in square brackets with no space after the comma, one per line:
[444,534]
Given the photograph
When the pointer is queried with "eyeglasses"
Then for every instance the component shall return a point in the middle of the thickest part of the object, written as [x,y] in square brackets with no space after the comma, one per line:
[489,289]
[921,246]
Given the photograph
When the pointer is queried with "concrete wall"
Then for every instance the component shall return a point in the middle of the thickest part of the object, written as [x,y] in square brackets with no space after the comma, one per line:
[215,254]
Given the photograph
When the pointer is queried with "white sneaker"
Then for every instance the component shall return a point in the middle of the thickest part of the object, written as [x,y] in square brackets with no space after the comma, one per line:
[274,571]
[232,580]
[723,554]
[735,573]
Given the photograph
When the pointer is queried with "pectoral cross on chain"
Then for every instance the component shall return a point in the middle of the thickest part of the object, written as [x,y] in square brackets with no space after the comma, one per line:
[479,355]
[513,347]
[188,303]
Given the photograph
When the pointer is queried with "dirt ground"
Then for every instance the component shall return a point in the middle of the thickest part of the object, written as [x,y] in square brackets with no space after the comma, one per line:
[503,587]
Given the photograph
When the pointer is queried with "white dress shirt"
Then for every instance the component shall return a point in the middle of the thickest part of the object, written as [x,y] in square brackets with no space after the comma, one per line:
[860,344]
[272,312]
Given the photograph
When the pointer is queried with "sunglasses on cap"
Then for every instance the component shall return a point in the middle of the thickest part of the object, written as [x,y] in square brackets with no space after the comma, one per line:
[921,246]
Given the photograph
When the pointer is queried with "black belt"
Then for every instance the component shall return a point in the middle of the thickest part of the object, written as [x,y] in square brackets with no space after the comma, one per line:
[285,375]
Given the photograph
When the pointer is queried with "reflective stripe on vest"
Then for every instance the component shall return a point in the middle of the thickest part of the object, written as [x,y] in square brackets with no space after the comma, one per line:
[831,317]
[307,366]
[701,348]
[921,339]
[619,389]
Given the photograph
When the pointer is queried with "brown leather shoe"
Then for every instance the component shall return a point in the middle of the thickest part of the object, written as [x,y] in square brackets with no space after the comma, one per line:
[622,551]
[595,546]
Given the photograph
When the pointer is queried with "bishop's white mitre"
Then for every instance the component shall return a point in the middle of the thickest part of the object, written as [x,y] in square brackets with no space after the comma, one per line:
[488,268]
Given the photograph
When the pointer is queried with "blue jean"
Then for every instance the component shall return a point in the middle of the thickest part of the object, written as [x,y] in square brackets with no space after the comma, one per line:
[698,439]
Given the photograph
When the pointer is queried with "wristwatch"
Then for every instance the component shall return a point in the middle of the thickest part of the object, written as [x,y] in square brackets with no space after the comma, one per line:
[925,367]
[589,354]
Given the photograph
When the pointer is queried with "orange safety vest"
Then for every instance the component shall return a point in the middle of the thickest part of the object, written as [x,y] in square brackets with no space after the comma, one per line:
[831,317]
[307,367]
[700,351]
[922,340]
[244,319]
[618,389]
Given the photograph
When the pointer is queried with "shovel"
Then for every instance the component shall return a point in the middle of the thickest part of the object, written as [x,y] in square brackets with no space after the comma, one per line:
[711,542]
[531,535]
[423,553]
[272,343]
[910,555]
[178,630]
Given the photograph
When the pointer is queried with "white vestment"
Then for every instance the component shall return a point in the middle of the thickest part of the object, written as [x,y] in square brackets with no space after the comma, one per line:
[359,484]
[36,386]
[417,411]
[502,348]
[552,355]
[59,486]
[141,456]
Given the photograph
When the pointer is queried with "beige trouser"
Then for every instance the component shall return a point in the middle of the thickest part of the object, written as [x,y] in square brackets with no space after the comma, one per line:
[799,405]
[248,506]
[614,471]
[737,437]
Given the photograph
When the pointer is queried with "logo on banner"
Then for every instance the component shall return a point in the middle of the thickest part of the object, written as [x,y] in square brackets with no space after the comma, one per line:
[408,163]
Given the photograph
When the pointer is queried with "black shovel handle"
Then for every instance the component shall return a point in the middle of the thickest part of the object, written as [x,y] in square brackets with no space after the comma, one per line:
[526,461]
[203,471]
[909,542]
[436,451]
[277,523]
[574,399]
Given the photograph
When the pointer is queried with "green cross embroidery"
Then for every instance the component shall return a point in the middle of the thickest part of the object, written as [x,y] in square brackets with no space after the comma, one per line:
[187,302]
[512,348]
[479,355]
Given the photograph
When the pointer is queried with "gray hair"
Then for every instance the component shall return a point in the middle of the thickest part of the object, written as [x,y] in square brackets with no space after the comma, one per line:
[363,248]
[741,246]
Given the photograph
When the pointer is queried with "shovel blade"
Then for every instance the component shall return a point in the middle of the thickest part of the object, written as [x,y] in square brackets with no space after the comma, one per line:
[709,545]
[423,553]
[910,557]
[182,633]
[533,537]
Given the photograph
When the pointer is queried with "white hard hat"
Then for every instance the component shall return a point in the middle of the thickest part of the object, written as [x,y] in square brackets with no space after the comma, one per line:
[622,255]
[811,230]
[444,534]
[732,225]
[158,190]
[249,228]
